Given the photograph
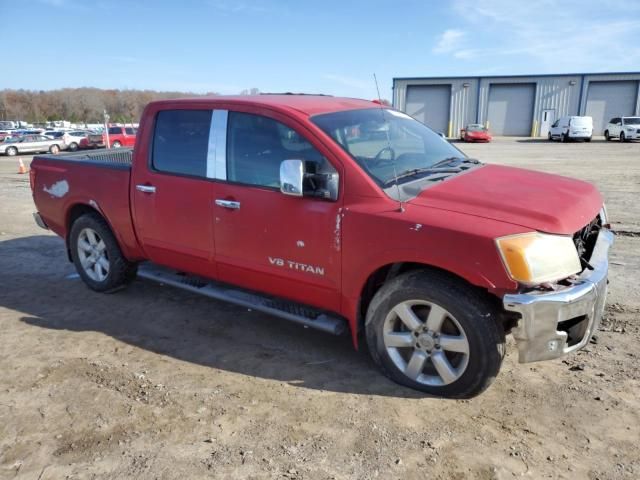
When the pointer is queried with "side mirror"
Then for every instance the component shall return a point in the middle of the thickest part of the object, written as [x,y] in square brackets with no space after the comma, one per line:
[442,135]
[291,177]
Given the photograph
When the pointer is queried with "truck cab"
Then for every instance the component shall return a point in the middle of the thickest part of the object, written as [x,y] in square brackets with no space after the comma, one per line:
[342,215]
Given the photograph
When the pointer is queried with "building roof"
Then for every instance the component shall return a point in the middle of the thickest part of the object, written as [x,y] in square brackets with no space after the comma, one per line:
[306,104]
[516,76]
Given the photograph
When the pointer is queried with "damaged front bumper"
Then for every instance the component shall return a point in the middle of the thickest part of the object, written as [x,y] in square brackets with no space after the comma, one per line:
[552,324]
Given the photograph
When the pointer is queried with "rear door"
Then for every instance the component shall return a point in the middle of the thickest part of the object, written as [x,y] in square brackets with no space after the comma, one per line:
[173,193]
[265,240]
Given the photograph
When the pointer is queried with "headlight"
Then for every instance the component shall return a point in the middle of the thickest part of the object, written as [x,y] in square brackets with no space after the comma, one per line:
[534,258]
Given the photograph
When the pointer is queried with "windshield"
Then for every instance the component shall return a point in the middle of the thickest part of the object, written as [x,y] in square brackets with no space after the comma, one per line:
[632,121]
[386,143]
[476,128]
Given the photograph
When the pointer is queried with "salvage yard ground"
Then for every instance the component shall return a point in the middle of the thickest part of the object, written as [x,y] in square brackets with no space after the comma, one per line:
[152,382]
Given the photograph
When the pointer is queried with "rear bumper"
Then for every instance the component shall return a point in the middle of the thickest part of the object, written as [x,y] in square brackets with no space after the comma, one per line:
[39,221]
[553,324]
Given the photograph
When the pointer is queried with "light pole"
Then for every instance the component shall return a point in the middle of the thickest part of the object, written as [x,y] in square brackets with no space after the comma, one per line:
[106,128]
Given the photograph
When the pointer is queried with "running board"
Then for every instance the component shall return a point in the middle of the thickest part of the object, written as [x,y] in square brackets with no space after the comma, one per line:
[295,312]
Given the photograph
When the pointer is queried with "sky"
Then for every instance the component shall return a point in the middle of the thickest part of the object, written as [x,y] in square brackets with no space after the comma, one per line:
[332,47]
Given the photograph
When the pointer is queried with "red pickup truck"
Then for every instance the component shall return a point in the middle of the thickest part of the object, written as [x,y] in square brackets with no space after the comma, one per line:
[118,137]
[289,205]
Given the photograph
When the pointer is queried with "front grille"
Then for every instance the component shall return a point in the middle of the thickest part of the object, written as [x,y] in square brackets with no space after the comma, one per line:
[585,239]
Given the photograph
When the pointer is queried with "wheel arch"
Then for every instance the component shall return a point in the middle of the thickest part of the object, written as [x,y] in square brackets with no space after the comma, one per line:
[384,273]
[77,210]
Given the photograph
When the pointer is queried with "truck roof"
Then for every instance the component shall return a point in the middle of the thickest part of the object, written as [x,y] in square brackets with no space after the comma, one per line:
[306,104]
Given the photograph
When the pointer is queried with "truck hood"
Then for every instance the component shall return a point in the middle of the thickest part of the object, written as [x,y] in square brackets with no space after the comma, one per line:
[535,200]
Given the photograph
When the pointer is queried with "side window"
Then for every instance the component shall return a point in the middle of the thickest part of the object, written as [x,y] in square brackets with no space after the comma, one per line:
[129,131]
[180,142]
[257,145]
[115,130]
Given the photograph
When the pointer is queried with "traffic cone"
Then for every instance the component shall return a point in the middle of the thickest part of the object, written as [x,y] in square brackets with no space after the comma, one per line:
[21,168]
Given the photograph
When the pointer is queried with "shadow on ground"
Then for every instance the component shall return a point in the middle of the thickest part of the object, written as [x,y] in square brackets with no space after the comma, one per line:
[35,282]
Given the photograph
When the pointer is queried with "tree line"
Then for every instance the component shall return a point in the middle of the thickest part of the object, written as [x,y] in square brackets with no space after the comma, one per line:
[80,105]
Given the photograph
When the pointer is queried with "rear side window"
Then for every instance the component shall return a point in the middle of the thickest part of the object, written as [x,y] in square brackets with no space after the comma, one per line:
[257,145]
[180,142]
[115,130]
[130,131]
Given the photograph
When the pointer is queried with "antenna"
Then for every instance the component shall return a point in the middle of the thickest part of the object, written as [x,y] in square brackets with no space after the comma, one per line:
[393,158]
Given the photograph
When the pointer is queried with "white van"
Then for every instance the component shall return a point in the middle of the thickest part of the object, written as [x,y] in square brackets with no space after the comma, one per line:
[571,128]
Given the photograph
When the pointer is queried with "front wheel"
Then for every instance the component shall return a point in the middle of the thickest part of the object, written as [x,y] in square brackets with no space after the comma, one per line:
[622,137]
[116,144]
[549,136]
[434,333]
[588,139]
[54,149]
[97,256]
[73,147]
[11,151]
[607,137]
[565,138]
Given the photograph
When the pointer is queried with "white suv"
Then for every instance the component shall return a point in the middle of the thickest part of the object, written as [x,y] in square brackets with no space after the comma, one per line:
[624,128]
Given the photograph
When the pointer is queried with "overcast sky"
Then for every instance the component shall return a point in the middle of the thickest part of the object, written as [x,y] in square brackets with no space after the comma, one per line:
[329,46]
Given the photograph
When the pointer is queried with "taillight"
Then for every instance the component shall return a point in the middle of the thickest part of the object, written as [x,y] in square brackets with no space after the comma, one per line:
[32,179]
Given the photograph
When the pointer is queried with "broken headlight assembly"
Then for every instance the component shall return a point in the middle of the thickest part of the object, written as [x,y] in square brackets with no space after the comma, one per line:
[535,258]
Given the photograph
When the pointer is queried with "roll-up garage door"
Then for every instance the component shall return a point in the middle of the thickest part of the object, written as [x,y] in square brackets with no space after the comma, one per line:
[510,109]
[430,105]
[606,100]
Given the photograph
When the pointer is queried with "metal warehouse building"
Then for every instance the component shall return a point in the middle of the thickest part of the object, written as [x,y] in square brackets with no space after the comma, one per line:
[520,105]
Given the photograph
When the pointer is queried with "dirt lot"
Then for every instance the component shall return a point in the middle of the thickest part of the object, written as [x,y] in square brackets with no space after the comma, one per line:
[156,383]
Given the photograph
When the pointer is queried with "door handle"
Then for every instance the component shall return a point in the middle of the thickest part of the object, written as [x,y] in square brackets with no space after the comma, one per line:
[228,204]
[146,188]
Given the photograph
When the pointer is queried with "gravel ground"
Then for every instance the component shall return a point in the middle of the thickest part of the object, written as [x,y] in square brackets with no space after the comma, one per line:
[152,382]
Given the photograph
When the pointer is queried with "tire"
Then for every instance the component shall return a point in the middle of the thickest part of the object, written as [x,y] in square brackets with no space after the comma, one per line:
[587,139]
[475,340]
[606,136]
[90,254]
[54,149]
[549,136]
[11,151]
[73,146]
[564,137]
[116,144]
[622,137]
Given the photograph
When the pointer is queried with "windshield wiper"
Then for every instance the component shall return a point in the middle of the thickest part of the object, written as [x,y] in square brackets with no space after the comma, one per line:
[417,171]
[455,161]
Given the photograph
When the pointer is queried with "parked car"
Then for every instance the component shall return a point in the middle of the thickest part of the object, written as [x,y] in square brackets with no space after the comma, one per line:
[4,134]
[31,144]
[71,138]
[118,137]
[475,132]
[624,128]
[427,255]
[571,128]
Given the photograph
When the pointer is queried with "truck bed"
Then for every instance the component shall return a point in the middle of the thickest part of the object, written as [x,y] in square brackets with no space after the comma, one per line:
[99,180]
[116,158]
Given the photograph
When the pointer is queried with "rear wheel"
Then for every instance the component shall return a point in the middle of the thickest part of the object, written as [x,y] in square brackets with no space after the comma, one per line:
[565,137]
[73,146]
[588,139]
[433,333]
[97,256]
[549,136]
[12,151]
[116,144]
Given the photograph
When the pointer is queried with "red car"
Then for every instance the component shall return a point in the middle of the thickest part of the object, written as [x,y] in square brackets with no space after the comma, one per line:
[118,137]
[475,132]
[289,205]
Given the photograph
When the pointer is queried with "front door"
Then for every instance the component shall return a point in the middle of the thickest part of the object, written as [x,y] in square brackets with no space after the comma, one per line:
[173,196]
[548,117]
[265,240]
